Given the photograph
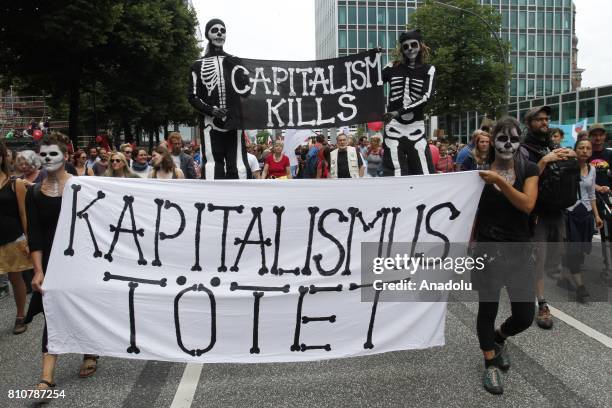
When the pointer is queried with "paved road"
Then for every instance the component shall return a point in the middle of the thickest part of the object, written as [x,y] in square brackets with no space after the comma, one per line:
[565,367]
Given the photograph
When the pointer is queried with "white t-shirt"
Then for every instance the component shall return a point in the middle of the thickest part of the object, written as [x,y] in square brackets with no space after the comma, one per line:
[253,163]
[176,160]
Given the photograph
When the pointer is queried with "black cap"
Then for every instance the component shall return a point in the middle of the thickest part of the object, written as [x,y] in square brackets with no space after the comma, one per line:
[535,110]
[212,23]
[410,35]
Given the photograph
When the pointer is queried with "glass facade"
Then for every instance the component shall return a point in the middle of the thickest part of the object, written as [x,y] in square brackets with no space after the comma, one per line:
[539,31]
[594,105]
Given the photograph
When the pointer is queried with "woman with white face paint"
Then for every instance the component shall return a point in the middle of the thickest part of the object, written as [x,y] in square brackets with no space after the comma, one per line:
[502,232]
[43,204]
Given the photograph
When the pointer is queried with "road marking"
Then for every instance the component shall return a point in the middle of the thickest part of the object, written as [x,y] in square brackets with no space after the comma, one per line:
[594,334]
[187,387]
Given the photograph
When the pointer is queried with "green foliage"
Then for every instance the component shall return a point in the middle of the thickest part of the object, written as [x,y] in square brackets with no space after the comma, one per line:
[135,55]
[469,69]
[262,137]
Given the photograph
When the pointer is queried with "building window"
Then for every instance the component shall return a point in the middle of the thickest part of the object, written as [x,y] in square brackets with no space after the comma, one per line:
[540,20]
[514,42]
[391,16]
[532,19]
[554,113]
[549,66]
[531,65]
[531,46]
[392,39]
[557,69]
[362,15]
[523,19]
[558,20]
[352,15]
[382,20]
[568,113]
[586,110]
[522,65]
[513,19]
[540,38]
[540,66]
[513,87]
[372,15]
[539,87]
[605,109]
[352,39]
[362,37]
[567,44]
[522,42]
[372,43]
[530,87]
[401,17]
[548,87]
[558,39]
[505,19]
[382,40]
[342,39]
[565,86]
[567,22]
[341,15]
[521,87]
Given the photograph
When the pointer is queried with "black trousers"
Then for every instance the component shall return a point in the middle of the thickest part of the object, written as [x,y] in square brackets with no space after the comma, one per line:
[519,321]
[224,152]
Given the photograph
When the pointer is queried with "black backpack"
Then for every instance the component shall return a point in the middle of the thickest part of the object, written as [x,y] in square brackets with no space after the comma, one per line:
[559,185]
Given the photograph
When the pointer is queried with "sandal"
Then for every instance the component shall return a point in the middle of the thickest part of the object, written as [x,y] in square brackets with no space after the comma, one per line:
[89,366]
[47,385]
[20,326]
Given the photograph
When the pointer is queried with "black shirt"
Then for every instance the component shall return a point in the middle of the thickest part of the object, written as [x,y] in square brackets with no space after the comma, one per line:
[9,214]
[498,219]
[343,167]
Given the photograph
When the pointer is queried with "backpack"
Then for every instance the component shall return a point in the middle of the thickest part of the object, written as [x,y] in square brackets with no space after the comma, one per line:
[559,185]
[310,164]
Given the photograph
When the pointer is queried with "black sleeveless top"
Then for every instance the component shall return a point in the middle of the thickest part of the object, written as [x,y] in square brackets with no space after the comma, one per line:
[9,214]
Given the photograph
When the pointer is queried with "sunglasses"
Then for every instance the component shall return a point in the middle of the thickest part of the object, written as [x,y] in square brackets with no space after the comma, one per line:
[115,161]
[215,30]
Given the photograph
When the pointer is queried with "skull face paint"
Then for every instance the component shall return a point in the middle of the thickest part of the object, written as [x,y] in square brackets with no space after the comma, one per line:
[53,158]
[411,49]
[507,143]
[216,35]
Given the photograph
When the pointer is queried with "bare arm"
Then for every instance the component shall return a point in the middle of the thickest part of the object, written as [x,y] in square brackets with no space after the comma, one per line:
[288,171]
[264,173]
[38,278]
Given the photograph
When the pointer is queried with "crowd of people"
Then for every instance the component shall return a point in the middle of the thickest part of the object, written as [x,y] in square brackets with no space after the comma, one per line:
[510,161]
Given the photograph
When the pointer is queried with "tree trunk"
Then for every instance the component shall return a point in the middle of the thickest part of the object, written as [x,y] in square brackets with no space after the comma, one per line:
[166,130]
[75,96]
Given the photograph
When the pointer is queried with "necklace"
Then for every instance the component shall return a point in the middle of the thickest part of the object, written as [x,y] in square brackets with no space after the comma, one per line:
[507,174]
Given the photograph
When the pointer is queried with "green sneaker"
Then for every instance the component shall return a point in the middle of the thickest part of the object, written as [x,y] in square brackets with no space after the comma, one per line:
[491,380]
[502,361]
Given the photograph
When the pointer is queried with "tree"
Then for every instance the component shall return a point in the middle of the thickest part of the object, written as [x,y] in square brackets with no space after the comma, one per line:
[132,55]
[469,69]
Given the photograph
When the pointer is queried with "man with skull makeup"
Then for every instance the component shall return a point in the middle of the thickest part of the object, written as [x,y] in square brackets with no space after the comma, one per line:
[502,235]
[225,155]
[411,85]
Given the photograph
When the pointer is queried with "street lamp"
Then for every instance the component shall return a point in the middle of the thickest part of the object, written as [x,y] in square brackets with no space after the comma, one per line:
[502,52]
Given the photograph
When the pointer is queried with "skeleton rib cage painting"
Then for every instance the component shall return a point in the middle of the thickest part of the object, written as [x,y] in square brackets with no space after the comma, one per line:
[210,94]
[411,85]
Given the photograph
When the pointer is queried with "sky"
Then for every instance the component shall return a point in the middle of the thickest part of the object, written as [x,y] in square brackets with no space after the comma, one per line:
[285,30]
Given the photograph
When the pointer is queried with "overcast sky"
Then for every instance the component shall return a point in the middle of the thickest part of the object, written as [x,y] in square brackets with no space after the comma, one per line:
[285,30]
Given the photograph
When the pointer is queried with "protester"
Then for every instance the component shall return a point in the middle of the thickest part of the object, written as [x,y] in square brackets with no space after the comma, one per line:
[93,157]
[80,164]
[163,165]
[101,165]
[277,164]
[549,228]
[579,221]
[480,157]
[445,163]
[465,151]
[127,151]
[14,256]
[345,162]
[556,136]
[323,159]
[140,165]
[182,160]
[28,164]
[43,203]
[119,167]
[374,156]
[503,216]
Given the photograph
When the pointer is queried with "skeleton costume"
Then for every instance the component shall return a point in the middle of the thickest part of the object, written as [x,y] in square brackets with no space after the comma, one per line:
[225,155]
[411,85]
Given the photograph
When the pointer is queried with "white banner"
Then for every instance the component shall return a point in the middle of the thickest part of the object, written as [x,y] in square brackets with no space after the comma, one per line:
[242,271]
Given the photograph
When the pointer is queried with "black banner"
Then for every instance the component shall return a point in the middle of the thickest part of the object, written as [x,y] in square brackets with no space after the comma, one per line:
[308,94]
